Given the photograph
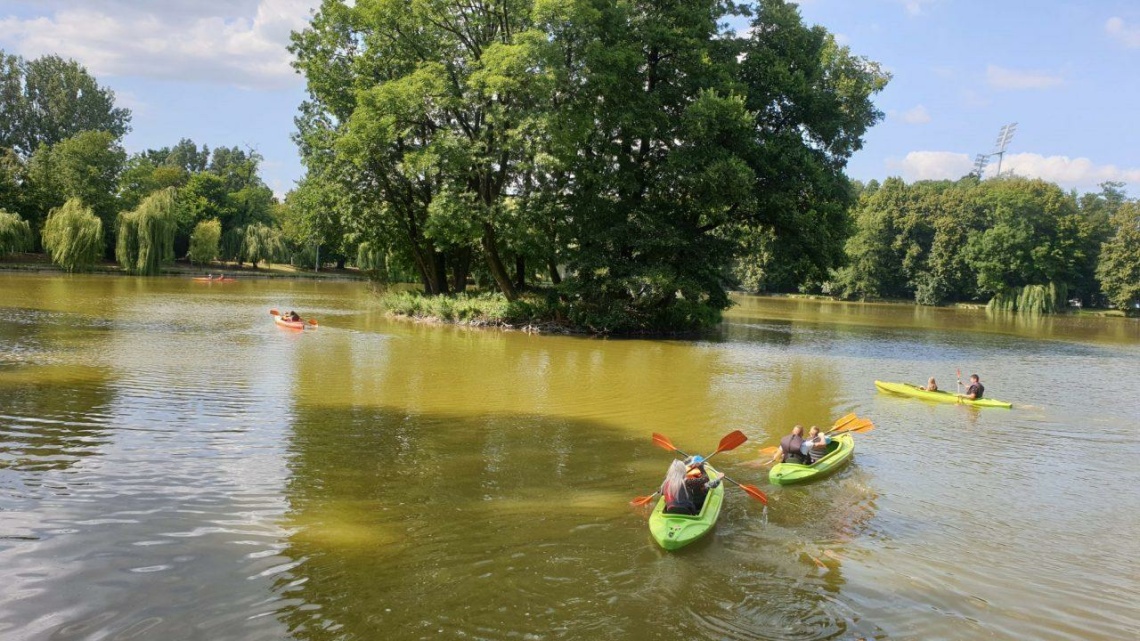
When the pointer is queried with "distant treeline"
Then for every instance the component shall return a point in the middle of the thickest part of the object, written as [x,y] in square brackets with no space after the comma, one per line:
[61,157]
[1020,244]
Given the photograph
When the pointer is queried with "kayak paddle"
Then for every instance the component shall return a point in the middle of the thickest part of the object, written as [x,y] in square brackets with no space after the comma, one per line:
[751,490]
[730,441]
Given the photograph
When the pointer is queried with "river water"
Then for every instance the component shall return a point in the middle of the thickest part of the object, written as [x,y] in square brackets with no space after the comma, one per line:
[174,466]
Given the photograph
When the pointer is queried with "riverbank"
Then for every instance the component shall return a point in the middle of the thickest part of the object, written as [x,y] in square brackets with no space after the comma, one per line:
[40,263]
[1070,311]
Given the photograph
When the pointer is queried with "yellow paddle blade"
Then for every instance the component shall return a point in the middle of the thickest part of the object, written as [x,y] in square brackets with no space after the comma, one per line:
[843,420]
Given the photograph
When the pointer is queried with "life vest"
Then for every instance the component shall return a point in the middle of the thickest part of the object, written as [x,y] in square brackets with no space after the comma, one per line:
[791,445]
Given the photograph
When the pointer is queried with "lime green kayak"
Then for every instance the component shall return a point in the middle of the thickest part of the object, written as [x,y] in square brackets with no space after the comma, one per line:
[672,531]
[906,389]
[839,451]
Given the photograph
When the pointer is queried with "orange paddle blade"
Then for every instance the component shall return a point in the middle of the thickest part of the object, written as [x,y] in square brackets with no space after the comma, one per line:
[730,442]
[663,441]
[313,322]
[755,493]
[769,451]
[843,420]
[643,500]
[274,312]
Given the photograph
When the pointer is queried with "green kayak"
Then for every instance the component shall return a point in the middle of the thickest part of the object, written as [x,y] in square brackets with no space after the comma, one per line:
[906,389]
[839,451]
[672,531]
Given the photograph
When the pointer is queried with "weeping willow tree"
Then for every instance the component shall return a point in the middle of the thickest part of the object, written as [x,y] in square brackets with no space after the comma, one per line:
[204,241]
[15,233]
[261,243]
[73,236]
[146,235]
[1031,299]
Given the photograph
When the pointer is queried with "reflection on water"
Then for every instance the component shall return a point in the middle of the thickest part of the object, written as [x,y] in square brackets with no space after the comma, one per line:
[172,465]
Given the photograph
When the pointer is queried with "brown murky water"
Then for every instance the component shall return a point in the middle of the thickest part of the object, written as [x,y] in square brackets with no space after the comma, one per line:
[174,466]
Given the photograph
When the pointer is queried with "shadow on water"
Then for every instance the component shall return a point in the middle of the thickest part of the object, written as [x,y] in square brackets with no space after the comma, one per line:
[405,525]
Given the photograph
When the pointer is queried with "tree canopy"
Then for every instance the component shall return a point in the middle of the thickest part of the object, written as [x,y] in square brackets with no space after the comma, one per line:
[622,148]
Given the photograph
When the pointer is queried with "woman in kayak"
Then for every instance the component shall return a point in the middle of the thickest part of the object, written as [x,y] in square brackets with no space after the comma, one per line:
[294,316]
[685,488]
[931,386]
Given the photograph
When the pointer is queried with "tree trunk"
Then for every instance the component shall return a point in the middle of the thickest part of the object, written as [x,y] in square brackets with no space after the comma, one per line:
[495,263]
[555,277]
[439,264]
[460,267]
[520,272]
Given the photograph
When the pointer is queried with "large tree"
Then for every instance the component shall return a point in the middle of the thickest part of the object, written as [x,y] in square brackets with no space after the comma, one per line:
[1119,268]
[51,99]
[630,144]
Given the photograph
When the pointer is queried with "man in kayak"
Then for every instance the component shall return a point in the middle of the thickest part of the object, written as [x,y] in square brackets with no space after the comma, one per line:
[976,389]
[294,316]
[791,447]
[815,447]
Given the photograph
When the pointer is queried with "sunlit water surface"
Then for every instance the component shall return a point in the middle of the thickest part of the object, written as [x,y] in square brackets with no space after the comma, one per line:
[174,466]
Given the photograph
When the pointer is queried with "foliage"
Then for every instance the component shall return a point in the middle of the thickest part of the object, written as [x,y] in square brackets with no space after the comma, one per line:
[73,236]
[1119,267]
[204,241]
[261,243]
[15,233]
[626,149]
[146,235]
[86,166]
[1030,299]
[969,240]
[49,99]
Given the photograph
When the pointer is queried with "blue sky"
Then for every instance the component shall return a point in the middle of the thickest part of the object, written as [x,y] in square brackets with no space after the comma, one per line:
[216,71]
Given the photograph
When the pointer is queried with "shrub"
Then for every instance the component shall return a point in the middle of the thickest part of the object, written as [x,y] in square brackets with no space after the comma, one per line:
[204,241]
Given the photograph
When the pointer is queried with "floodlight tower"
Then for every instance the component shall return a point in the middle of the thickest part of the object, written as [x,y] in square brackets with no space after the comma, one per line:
[980,163]
[1004,136]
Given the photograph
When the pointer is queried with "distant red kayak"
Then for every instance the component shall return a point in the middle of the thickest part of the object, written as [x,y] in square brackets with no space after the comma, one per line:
[283,322]
[214,280]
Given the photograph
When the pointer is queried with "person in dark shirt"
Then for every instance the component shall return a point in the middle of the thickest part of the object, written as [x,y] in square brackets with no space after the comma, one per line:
[976,389]
[791,447]
[686,487]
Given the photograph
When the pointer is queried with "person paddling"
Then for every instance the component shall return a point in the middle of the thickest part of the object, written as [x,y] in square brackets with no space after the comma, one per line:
[686,487]
[791,447]
[975,390]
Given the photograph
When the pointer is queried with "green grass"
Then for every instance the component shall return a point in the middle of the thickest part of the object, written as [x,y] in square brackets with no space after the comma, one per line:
[481,309]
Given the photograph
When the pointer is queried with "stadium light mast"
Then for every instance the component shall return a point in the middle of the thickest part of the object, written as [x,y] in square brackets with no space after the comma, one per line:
[1004,136]
[980,163]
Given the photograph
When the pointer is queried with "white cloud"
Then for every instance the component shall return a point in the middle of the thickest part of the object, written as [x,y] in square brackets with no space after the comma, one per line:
[1070,172]
[931,165]
[1129,36]
[1002,78]
[240,43]
[1081,173]
[914,7]
[916,116]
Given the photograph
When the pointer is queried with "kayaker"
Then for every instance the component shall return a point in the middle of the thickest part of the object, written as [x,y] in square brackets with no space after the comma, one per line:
[931,386]
[976,389]
[685,488]
[791,447]
[294,316]
[815,447]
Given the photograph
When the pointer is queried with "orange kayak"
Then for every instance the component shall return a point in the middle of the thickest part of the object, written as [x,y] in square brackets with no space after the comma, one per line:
[214,280]
[301,324]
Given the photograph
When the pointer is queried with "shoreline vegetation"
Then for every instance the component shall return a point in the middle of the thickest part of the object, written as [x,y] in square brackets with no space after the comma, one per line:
[41,264]
[537,312]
